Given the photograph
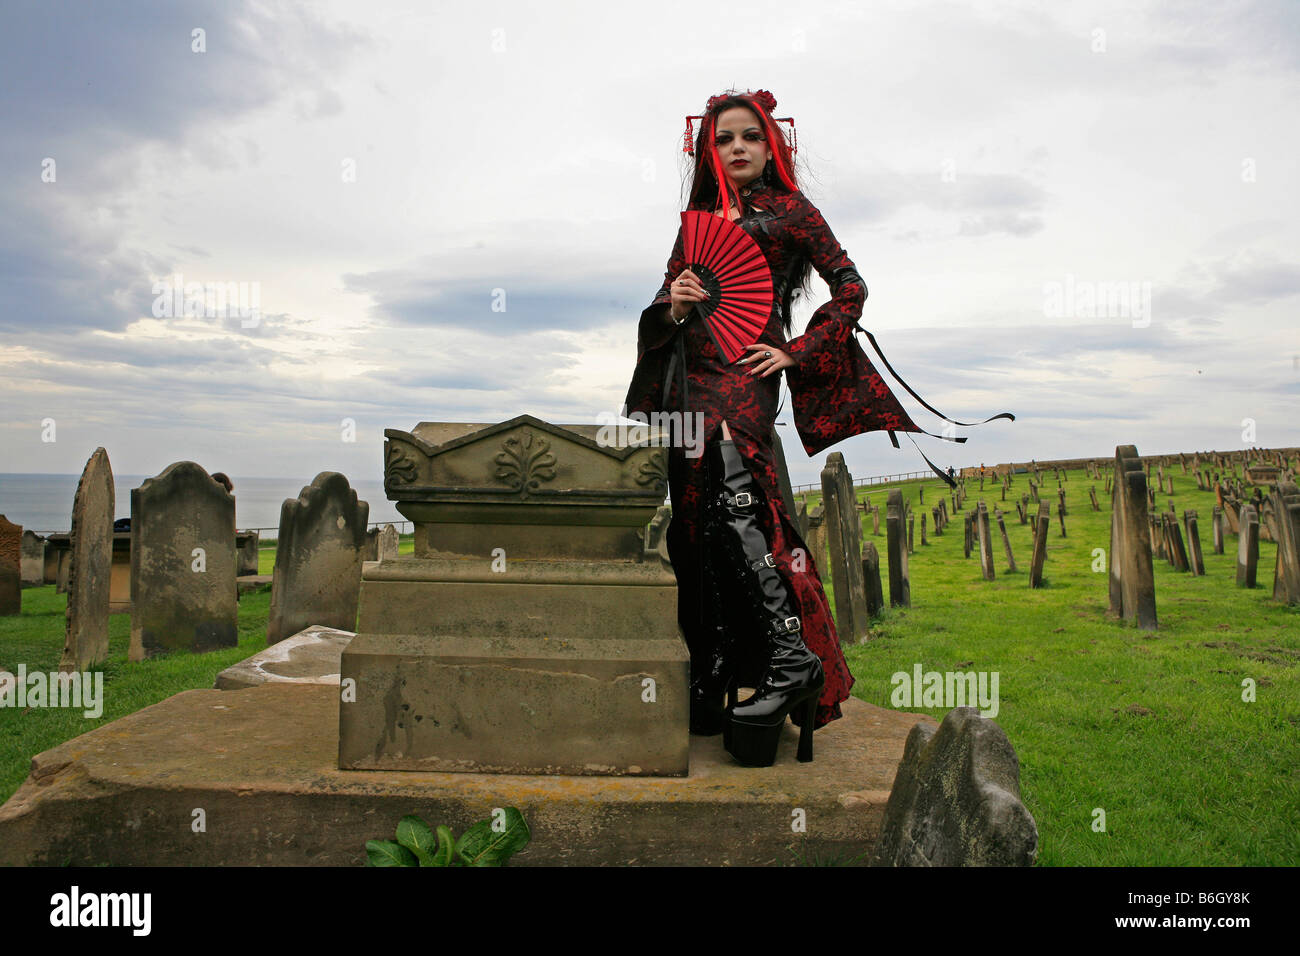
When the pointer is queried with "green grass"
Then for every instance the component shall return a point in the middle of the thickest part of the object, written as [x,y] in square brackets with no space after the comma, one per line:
[35,638]
[1148,726]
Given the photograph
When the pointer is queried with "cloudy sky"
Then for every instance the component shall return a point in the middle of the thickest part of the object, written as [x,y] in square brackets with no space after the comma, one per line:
[384,173]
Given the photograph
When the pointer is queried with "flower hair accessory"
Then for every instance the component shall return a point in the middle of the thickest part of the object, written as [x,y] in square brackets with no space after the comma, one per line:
[760,98]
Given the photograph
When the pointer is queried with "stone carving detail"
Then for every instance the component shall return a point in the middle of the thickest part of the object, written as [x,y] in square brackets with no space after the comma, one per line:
[654,471]
[401,467]
[525,463]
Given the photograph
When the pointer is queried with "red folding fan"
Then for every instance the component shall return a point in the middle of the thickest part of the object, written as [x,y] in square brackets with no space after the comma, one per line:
[734,271]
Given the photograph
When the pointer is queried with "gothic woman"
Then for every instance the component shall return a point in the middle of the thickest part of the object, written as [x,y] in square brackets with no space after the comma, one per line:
[750,603]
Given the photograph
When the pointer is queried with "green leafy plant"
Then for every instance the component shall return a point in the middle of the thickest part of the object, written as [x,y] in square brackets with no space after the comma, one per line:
[481,845]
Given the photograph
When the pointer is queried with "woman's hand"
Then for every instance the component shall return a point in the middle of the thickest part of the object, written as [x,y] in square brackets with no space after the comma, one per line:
[769,358]
[686,290]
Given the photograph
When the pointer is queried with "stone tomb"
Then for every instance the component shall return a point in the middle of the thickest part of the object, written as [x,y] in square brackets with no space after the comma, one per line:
[527,633]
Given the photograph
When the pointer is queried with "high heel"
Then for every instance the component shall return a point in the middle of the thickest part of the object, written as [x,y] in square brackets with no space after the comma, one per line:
[793,675]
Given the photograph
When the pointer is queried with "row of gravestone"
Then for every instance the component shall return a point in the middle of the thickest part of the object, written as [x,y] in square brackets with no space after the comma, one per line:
[184,594]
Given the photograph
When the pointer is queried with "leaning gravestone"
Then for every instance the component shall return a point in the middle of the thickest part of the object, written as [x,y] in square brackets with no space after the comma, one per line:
[1195,560]
[1216,523]
[11,567]
[317,577]
[844,542]
[956,799]
[1286,573]
[1092,494]
[33,559]
[1042,523]
[1177,552]
[1132,578]
[90,568]
[1247,547]
[1006,542]
[184,593]
[900,587]
[985,540]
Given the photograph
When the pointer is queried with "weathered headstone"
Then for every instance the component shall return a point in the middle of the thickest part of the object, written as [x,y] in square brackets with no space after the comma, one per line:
[90,566]
[875,520]
[956,799]
[247,544]
[1060,494]
[911,527]
[1061,517]
[871,576]
[370,547]
[985,540]
[318,558]
[900,588]
[184,593]
[968,528]
[1092,494]
[390,541]
[33,559]
[1286,572]
[1042,522]
[1006,542]
[816,536]
[1216,524]
[1132,577]
[924,542]
[1248,547]
[844,544]
[11,567]
[1195,560]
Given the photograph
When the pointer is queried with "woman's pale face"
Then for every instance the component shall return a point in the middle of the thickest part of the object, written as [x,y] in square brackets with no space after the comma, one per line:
[742,147]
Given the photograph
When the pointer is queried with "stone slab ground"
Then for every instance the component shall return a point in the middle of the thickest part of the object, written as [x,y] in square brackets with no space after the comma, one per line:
[261,765]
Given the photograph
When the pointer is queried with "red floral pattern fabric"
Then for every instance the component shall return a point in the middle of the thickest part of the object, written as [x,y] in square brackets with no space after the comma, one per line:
[834,389]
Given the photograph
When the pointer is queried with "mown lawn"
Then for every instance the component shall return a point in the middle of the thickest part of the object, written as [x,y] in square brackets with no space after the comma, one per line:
[1150,727]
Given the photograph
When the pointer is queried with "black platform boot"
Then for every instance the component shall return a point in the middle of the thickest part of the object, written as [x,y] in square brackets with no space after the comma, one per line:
[713,659]
[793,675]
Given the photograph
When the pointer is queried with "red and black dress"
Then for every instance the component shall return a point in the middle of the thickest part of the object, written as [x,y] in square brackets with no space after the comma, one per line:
[834,390]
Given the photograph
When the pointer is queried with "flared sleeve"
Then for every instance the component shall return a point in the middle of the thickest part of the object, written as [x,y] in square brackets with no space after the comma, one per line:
[654,338]
[835,391]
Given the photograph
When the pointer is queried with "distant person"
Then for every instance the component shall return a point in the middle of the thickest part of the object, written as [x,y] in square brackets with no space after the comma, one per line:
[952,474]
[221,478]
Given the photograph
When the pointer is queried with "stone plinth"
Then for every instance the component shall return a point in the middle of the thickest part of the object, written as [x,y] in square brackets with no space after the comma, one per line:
[530,631]
[262,763]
